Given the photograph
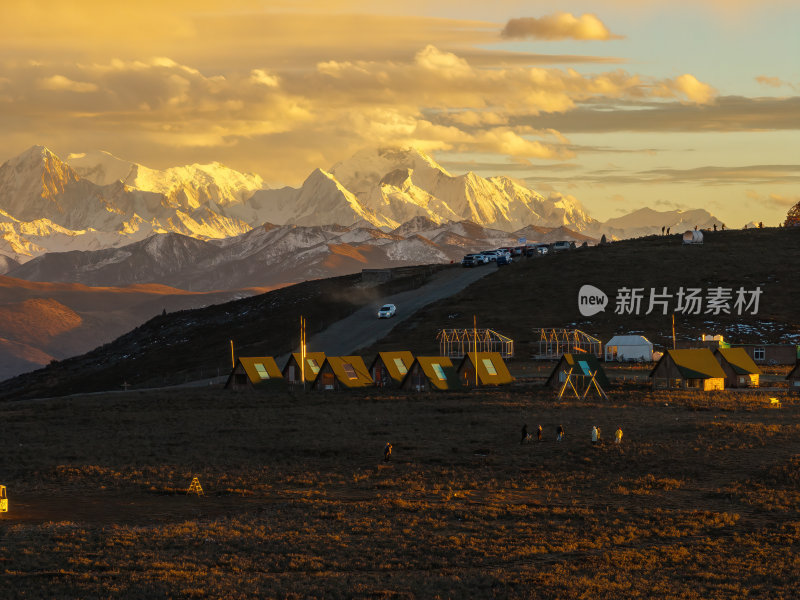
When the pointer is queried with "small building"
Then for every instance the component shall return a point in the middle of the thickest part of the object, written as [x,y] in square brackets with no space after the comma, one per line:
[292,372]
[694,369]
[627,348]
[794,376]
[580,368]
[342,372]
[431,373]
[740,370]
[252,372]
[772,354]
[491,369]
[390,368]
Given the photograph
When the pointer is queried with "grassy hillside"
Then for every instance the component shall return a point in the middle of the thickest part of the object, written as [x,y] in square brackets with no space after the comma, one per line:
[543,292]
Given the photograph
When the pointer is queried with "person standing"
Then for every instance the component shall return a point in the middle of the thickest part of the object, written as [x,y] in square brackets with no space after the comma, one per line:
[595,434]
[618,435]
[524,433]
[559,433]
[539,433]
[387,451]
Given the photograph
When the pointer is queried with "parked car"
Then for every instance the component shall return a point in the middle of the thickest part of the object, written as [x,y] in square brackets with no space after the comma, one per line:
[472,260]
[387,311]
[490,255]
[504,259]
[560,246]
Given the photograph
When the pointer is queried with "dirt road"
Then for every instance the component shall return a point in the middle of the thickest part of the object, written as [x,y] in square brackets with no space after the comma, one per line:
[362,328]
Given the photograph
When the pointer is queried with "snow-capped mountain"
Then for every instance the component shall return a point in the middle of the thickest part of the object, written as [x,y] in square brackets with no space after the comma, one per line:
[96,201]
[189,187]
[408,183]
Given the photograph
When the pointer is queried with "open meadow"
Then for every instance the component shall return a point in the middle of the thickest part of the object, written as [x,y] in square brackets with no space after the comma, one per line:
[700,500]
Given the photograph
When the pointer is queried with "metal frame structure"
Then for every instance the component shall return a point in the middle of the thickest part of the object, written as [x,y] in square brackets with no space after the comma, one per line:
[581,379]
[553,343]
[455,343]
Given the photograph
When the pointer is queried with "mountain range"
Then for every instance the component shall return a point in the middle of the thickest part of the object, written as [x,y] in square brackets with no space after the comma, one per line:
[98,201]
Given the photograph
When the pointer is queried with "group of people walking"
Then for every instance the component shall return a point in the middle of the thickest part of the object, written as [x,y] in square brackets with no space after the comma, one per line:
[528,437]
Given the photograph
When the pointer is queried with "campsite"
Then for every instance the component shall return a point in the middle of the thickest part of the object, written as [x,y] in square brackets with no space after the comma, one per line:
[700,500]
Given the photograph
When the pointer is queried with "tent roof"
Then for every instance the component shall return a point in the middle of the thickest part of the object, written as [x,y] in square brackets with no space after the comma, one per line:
[740,360]
[445,367]
[629,340]
[256,374]
[310,374]
[486,360]
[358,376]
[574,361]
[694,363]
[389,360]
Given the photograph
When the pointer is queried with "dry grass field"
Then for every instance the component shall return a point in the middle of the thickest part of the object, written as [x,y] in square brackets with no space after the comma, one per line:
[701,499]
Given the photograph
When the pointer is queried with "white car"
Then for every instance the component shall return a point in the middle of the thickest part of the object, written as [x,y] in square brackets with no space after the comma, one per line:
[387,311]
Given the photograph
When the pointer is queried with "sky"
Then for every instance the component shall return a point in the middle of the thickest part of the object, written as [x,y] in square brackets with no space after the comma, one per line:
[621,104]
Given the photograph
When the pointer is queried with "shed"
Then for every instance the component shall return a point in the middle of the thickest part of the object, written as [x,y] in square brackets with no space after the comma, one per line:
[432,373]
[253,372]
[389,368]
[292,371]
[740,370]
[580,366]
[694,368]
[343,372]
[627,348]
[492,370]
[794,376]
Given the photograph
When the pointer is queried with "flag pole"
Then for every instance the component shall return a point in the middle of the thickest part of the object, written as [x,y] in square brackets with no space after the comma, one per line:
[233,361]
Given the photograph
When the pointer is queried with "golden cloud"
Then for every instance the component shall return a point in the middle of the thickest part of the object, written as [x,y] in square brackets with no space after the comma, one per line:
[58,83]
[558,26]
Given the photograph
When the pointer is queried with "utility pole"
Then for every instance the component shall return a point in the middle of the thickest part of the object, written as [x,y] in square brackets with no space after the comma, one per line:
[303,351]
[233,361]
[475,333]
[674,346]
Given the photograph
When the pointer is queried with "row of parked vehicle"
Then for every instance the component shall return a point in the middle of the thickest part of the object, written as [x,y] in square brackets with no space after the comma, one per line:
[505,256]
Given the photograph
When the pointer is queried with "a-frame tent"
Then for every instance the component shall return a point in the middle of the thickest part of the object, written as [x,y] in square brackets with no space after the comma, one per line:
[293,373]
[343,372]
[578,374]
[432,373]
[390,368]
[491,369]
[255,372]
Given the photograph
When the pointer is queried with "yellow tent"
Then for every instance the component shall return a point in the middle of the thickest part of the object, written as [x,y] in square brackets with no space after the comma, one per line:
[492,370]
[252,371]
[343,371]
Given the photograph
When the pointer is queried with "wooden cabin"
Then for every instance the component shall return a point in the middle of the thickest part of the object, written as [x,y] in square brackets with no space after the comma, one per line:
[693,369]
[740,370]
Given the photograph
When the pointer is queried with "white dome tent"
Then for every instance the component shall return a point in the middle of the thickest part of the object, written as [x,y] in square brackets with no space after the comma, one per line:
[693,237]
[627,348]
